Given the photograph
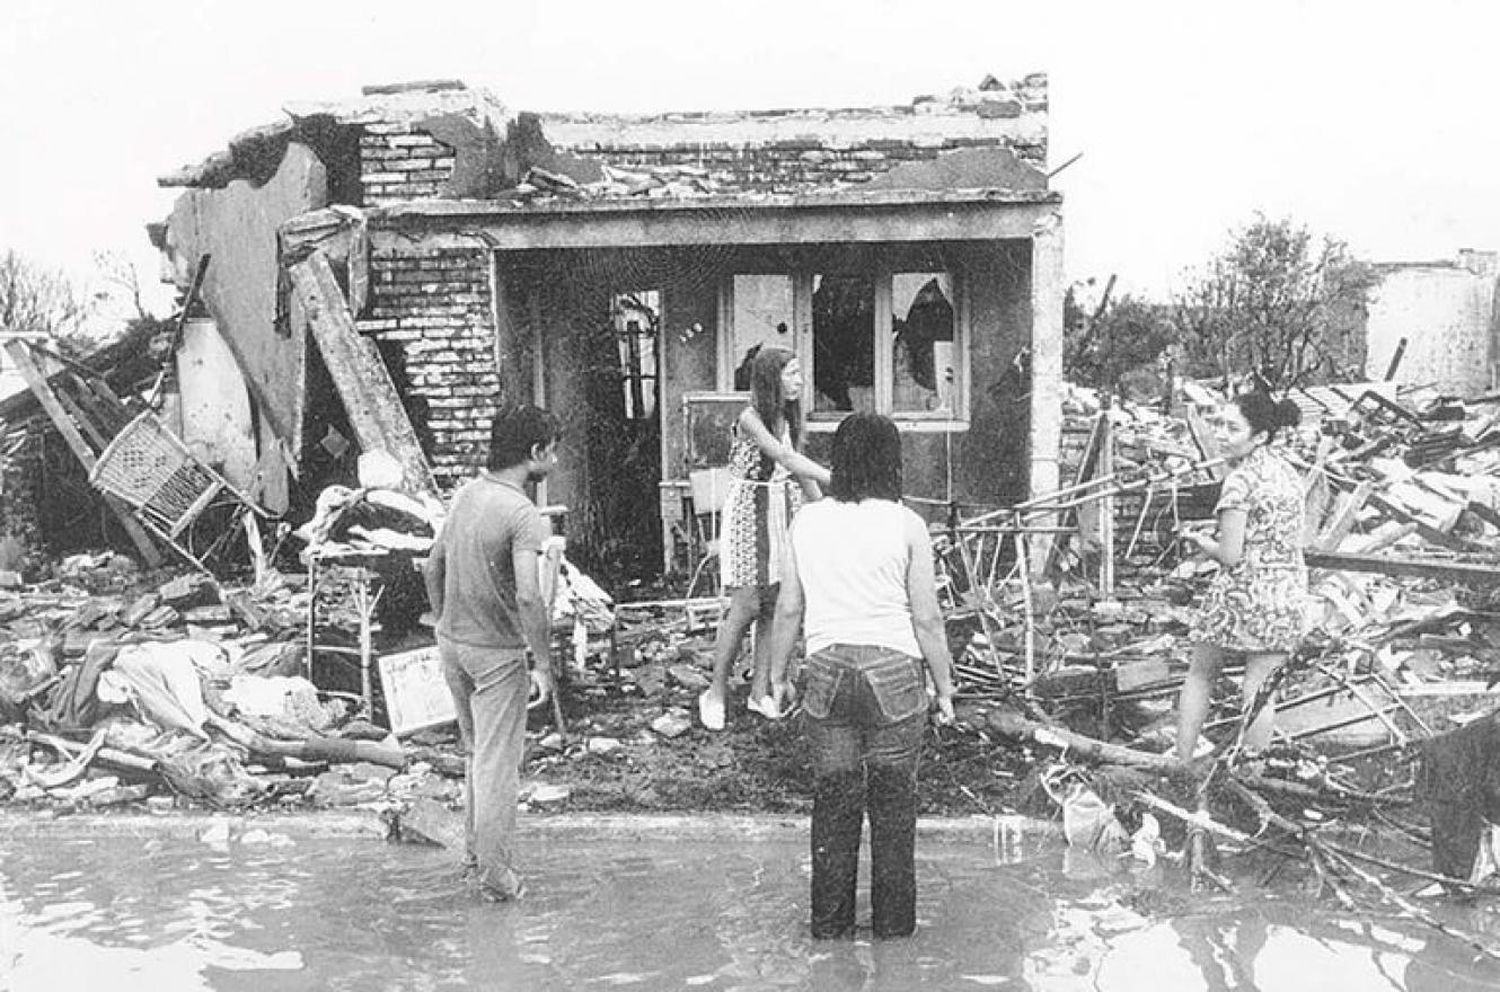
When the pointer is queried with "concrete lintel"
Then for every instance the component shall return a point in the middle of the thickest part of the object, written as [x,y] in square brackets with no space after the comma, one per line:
[519,232]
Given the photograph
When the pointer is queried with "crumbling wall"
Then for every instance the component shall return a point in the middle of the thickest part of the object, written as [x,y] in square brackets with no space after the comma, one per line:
[238,226]
[789,151]
[400,162]
[431,312]
[1446,313]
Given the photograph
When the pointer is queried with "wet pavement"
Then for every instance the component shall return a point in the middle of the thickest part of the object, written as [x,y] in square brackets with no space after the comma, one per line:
[271,911]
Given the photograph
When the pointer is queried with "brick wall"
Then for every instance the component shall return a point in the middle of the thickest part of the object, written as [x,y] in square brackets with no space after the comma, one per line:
[434,303]
[397,163]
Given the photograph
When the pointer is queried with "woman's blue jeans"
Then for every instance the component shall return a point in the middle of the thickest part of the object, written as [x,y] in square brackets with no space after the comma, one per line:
[866,711]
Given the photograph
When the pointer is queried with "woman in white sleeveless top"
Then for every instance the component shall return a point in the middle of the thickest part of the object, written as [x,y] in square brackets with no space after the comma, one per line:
[859,581]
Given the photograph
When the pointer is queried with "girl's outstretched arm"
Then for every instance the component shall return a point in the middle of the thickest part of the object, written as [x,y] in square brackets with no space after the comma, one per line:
[785,455]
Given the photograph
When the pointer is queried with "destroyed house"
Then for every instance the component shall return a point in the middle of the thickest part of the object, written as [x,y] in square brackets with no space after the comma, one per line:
[383,272]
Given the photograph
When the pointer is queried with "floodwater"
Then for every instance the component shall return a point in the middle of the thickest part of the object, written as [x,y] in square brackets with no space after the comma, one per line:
[268,911]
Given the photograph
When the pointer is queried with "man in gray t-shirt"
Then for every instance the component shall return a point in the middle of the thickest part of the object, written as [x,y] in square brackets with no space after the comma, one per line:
[483,584]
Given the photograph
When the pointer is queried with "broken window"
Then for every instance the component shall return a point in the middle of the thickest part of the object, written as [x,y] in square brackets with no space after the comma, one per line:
[843,343]
[880,332]
[637,321]
[924,358]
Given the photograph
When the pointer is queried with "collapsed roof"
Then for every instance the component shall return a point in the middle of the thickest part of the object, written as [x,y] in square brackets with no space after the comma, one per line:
[990,137]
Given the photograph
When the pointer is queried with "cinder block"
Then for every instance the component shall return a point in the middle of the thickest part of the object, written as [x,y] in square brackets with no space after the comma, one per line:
[414,140]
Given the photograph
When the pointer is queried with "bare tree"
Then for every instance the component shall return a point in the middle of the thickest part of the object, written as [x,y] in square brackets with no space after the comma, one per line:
[119,272]
[34,300]
[1276,305]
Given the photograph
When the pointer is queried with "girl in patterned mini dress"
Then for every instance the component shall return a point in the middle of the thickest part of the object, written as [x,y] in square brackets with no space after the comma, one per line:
[768,479]
[1256,606]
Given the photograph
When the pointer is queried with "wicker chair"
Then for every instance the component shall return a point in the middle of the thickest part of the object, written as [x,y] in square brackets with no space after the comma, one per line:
[149,468]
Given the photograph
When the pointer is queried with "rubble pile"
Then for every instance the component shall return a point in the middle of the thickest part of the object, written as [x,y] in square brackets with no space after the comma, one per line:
[1404,559]
[180,686]
[176,687]
[1403,546]
[673,182]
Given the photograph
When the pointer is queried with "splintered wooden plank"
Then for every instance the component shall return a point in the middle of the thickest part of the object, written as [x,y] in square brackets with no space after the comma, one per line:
[370,398]
[1398,511]
[1087,469]
[1448,571]
[85,391]
[81,418]
[37,383]
[1345,513]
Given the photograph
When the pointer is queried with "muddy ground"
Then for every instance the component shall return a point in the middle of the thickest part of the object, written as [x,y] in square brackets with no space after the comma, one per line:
[753,765]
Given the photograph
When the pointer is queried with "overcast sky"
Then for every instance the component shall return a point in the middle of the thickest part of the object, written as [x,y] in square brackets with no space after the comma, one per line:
[1374,122]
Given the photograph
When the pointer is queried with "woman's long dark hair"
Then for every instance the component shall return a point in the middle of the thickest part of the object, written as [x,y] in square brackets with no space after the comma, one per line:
[866,459]
[1264,414]
[770,403]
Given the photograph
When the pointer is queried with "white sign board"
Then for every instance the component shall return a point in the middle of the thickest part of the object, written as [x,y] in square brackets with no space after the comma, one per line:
[416,695]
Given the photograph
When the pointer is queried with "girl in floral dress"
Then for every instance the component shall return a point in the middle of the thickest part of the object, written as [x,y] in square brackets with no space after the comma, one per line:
[769,478]
[1255,607]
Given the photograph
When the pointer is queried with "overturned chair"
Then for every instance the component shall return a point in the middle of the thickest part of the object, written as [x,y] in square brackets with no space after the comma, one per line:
[149,468]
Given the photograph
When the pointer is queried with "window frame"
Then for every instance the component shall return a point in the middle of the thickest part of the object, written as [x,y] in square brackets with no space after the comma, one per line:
[881,273]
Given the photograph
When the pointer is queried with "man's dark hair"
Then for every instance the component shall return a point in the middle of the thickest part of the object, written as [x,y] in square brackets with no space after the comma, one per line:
[517,429]
[866,460]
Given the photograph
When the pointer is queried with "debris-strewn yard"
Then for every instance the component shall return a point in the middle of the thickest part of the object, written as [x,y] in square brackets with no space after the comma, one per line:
[1067,619]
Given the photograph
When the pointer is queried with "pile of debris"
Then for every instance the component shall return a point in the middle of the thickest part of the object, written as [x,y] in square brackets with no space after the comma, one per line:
[179,688]
[1403,539]
[674,182]
[165,687]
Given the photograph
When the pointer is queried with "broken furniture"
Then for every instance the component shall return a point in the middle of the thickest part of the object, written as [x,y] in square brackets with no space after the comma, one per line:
[357,573]
[691,500]
[149,468]
[709,488]
[149,477]
[78,403]
[363,575]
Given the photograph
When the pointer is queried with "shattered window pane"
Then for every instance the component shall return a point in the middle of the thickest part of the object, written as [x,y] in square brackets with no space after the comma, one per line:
[924,360]
[843,346]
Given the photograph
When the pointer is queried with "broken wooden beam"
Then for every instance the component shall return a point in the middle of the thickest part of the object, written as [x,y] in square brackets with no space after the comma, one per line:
[1345,514]
[1450,571]
[1012,724]
[37,383]
[364,384]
